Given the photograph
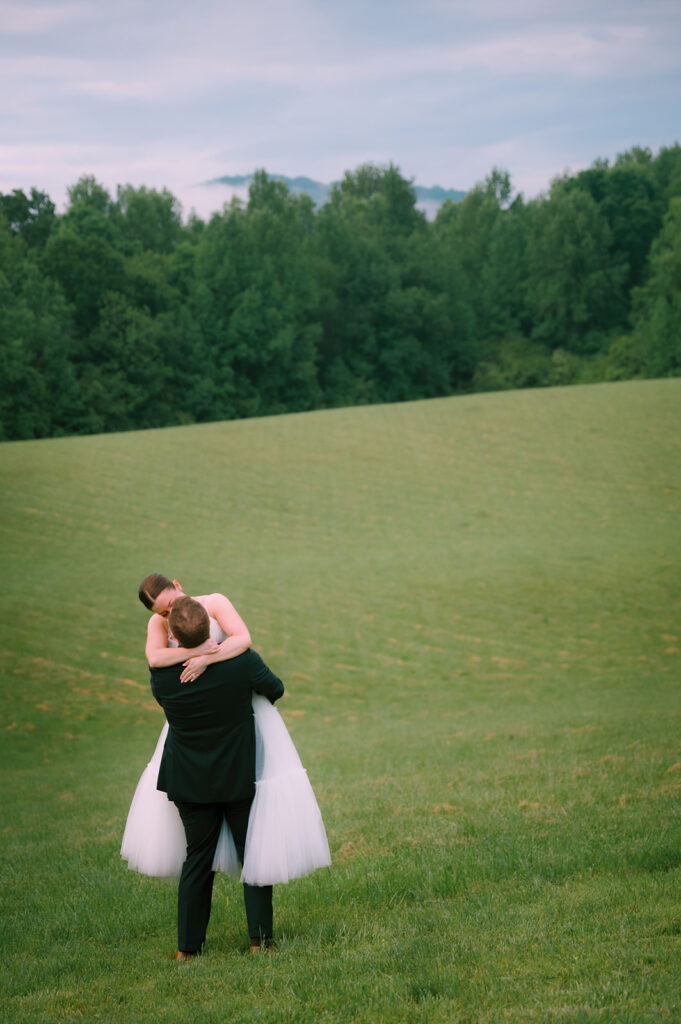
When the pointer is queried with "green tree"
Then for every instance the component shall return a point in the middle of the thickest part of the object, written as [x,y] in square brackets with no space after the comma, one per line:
[388,198]
[631,201]
[657,306]
[355,274]
[415,351]
[255,300]
[454,346]
[666,168]
[39,396]
[575,287]
[484,237]
[148,220]
[388,332]
[30,217]
[123,373]
[83,253]
[86,267]
[464,232]
[92,211]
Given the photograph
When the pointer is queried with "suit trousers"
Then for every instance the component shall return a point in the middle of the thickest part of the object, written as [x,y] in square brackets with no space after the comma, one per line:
[202,824]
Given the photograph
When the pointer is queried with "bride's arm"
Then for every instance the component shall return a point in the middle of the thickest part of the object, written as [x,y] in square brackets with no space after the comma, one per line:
[237,641]
[159,655]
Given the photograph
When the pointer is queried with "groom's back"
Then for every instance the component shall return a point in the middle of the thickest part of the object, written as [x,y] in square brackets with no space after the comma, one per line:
[209,755]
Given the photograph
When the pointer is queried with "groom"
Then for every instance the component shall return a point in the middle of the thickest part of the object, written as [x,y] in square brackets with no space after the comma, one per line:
[208,771]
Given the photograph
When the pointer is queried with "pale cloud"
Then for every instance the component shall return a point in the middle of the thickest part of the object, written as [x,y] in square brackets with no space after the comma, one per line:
[485,12]
[575,53]
[38,71]
[164,93]
[225,60]
[233,33]
[583,52]
[29,19]
[54,167]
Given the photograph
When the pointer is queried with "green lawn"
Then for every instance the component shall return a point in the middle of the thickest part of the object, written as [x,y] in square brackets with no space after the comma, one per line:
[474,604]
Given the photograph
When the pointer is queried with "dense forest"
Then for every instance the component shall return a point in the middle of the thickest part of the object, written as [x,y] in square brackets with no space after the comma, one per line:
[117,315]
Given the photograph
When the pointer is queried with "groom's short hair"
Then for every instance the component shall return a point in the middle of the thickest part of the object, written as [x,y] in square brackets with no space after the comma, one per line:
[189,622]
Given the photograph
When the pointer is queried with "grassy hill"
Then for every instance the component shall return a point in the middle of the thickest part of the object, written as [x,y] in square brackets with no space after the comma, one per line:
[474,604]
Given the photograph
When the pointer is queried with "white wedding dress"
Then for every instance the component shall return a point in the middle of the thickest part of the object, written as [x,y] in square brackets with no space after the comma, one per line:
[285,838]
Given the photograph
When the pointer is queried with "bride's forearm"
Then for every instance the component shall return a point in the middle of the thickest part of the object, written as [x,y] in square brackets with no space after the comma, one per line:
[231,647]
[162,657]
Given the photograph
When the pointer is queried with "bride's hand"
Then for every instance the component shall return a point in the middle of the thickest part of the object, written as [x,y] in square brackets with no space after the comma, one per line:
[193,669]
[209,646]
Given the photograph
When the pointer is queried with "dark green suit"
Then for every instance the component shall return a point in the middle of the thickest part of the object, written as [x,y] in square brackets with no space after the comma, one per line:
[208,770]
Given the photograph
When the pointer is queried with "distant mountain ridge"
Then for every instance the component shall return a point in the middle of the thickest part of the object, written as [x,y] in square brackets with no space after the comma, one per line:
[429,199]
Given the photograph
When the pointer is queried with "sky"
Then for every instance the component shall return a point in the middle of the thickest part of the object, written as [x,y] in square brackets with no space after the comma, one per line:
[173,93]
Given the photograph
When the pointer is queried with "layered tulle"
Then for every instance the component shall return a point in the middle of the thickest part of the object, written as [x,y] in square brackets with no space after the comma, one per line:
[154,841]
[286,837]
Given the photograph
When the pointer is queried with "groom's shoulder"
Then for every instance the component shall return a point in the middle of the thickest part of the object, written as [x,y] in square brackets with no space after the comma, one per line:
[255,662]
[248,666]
[248,661]
[252,657]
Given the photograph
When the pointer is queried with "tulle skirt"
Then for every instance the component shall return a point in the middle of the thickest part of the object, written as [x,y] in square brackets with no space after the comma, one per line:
[285,839]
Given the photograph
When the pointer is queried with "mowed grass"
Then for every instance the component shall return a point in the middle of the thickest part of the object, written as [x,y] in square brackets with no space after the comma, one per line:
[474,604]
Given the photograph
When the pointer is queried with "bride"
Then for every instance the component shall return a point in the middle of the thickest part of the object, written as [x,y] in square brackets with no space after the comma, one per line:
[286,837]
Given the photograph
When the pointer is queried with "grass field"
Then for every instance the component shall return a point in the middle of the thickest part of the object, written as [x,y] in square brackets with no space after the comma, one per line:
[474,603]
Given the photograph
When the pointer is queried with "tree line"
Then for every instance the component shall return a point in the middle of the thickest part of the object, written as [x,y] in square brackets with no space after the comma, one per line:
[117,315]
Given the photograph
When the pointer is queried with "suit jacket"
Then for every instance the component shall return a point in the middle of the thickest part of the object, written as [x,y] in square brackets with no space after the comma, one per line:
[209,754]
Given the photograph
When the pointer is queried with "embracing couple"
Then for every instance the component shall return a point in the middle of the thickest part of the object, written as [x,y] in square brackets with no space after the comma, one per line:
[225,790]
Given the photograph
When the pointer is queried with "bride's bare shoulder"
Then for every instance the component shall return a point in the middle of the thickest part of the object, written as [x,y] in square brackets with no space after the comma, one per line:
[212,601]
[157,624]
